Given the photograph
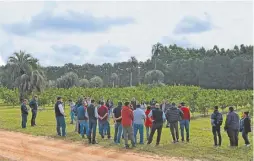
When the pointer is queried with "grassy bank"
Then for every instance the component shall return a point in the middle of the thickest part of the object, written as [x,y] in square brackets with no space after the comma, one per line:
[200,146]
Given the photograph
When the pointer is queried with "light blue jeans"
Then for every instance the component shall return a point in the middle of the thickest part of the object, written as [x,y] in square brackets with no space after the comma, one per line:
[140,128]
[118,132]
[185,124]
[84,124]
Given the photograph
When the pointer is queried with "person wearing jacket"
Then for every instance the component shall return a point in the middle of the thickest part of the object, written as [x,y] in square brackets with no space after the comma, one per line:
[216,121]
[34,106]
[174,115]
[245,127]
[24,113]
[148,122]
[158,119]
[83,120]
[138,123]
[232,126]
[60,120]
[127,119]
[92,115]
[185,122]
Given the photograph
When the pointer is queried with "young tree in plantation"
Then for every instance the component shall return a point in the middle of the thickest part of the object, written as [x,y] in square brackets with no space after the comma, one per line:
[26,73]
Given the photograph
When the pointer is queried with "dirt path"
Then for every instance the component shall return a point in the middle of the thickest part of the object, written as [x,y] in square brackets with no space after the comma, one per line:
[23,147]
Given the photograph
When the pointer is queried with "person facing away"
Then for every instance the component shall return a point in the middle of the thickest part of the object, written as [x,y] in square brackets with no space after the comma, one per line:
[152,102]
[24,113]
[216,121]
[139,117]
[148,122]
[158,119]
[127,119]
[34,106]
[134,103]
[72,114]
[232,126]
[103,120]
[92,115]
[60,120]
[83,120]
[143,106]
[118,123]
[185,122]
[245,127]
[174,115]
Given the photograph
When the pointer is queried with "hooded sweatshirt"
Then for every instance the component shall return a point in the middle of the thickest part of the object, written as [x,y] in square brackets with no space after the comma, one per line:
[173,114]
[127,116]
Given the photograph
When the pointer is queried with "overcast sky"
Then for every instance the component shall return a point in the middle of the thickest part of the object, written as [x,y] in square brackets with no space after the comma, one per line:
[97,32]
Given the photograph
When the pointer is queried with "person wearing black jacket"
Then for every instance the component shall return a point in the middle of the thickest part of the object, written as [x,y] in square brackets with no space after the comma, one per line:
[24,113]
[34,106]
[246,128]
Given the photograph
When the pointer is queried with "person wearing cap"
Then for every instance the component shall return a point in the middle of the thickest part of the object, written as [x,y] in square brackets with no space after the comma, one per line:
[245,127]
[139,117]
[232,126]
[185,122]
[158,118]
[60,120]
[174,115]
[118,123]
[34,106]
[127,120]
[24,113]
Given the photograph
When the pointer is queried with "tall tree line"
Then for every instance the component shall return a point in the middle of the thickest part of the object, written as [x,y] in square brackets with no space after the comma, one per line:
[216,68]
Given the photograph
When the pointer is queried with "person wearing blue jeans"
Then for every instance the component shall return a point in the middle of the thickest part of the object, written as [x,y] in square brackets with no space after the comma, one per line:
[103,120]
[72,114]
[104,126]
[118,123]
[24,113]
[92,114]
[185,124]
[138,123]
[83,120]
[34,106]
[60,120]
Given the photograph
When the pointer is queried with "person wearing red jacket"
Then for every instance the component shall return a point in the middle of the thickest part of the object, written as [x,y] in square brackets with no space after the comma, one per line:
[148,122]
[127,119]
[185,122]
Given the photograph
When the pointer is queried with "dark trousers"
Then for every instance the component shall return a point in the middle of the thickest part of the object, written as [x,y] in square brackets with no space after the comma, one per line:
[158,127]
[24,120]
[216,134]
[118,132]
[34,114]
[174,130]
[60,124]
[233,137]
[245,137]
[92,129]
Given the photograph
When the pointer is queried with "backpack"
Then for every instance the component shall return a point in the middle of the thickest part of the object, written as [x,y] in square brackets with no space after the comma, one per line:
[218,119]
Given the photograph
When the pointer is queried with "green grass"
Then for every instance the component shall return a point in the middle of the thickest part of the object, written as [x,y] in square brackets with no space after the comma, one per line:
[200,146]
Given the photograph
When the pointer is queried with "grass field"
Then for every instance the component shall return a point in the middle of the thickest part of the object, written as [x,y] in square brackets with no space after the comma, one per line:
[200,146]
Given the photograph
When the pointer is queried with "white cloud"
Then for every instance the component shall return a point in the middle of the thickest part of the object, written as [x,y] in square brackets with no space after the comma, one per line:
[154,20]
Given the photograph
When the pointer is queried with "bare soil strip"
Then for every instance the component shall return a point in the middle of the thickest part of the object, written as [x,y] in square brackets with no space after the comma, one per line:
[23,147]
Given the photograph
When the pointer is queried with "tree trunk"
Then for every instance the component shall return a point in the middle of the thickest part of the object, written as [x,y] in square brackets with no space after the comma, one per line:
[155,63]
[131,79]
[113,84]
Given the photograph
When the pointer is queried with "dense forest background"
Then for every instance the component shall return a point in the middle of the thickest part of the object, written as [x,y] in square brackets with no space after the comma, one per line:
[216,68]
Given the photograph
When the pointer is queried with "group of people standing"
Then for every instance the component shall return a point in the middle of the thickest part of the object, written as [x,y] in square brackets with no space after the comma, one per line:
[130,118]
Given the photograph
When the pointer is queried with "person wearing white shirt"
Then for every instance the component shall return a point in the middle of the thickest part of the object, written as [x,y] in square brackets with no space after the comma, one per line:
[60,120]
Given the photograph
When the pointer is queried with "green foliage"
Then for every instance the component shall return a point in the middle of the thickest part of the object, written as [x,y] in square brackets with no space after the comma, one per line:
[96,82]
[154,76]
[84,83]
[68,80]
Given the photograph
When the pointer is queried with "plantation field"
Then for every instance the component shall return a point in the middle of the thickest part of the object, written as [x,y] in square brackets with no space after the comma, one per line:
[200,146]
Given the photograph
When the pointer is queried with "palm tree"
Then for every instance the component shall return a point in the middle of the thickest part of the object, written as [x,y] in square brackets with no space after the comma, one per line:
[114,78]
[26,73]
[156,49]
